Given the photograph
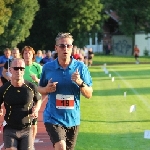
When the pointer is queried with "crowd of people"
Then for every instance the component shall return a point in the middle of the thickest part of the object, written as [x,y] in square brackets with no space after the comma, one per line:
[86,55]
[28,77]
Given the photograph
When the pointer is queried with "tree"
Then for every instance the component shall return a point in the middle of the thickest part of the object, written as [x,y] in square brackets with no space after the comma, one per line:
[133,16]
[5,14]
[78,17]
[21,20]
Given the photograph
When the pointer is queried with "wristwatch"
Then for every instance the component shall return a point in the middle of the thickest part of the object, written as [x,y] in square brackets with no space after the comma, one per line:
[82,84]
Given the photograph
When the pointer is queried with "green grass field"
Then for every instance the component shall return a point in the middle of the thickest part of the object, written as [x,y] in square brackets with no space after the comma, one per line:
[110,59]
[106,122]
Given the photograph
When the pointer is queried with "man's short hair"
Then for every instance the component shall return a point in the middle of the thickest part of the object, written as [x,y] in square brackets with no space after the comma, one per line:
[17,59]
[7,49]
[64,35]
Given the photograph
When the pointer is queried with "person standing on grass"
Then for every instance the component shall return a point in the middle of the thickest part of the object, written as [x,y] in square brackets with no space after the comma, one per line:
[136,54]
[33,72]
[18,96]
[63,80]
[90,56]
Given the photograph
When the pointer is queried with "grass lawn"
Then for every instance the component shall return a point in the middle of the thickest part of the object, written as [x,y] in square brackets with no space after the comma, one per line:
[111,59]
[106,122]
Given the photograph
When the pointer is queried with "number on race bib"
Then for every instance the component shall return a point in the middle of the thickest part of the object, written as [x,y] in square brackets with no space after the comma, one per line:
[64,101]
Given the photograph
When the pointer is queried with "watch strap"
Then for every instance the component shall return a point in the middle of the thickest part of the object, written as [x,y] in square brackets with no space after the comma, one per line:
[82,84]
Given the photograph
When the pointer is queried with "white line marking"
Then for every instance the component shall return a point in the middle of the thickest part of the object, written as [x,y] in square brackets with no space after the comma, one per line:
[37,141]
[133,90]
[1,146]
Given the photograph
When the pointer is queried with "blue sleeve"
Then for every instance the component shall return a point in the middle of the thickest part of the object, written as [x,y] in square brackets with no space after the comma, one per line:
[1,95]
[85,75]
[43,81]
[0,59]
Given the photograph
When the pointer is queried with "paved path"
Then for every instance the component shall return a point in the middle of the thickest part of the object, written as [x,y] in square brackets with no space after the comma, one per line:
[42,141]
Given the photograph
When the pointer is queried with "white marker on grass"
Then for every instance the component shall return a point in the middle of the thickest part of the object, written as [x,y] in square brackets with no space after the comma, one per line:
[132,108]
[104,64]
[125,94]
[106,71]
[109,75]
[112,79]
[147,134]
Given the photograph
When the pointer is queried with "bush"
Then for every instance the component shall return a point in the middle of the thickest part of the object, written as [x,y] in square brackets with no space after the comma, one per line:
[146,52]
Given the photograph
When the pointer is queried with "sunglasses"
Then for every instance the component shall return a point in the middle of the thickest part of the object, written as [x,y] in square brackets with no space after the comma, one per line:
[65,46]
[18,68]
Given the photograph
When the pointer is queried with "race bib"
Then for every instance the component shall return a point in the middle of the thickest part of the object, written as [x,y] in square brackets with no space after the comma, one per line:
[64,101]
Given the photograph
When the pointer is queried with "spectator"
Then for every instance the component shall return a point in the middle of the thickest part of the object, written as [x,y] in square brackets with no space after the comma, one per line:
[3,59]
[38,56]
[81,53]
[43,53]
[54,55]
[86,56]
[136,54]
[90,56]
[46,59]
[76,54]
[6,73]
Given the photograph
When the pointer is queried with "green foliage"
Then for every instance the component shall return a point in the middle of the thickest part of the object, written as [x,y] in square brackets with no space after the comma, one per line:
[112,59]
[78,17]
[86,15]
[146,52]
[22,16]
[134,16]
[5,14]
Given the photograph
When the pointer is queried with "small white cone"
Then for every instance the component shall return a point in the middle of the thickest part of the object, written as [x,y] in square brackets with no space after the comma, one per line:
[105,65]
[109,75]
[106,71]
[125,94]
[132,108]
[104,68]
[112,79]
[147,134]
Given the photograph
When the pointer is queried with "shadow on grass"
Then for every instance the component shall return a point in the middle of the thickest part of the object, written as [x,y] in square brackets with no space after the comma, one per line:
[120,121]
[120,91]
[132,72]
[126,73]
[112,141]
[118,79]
